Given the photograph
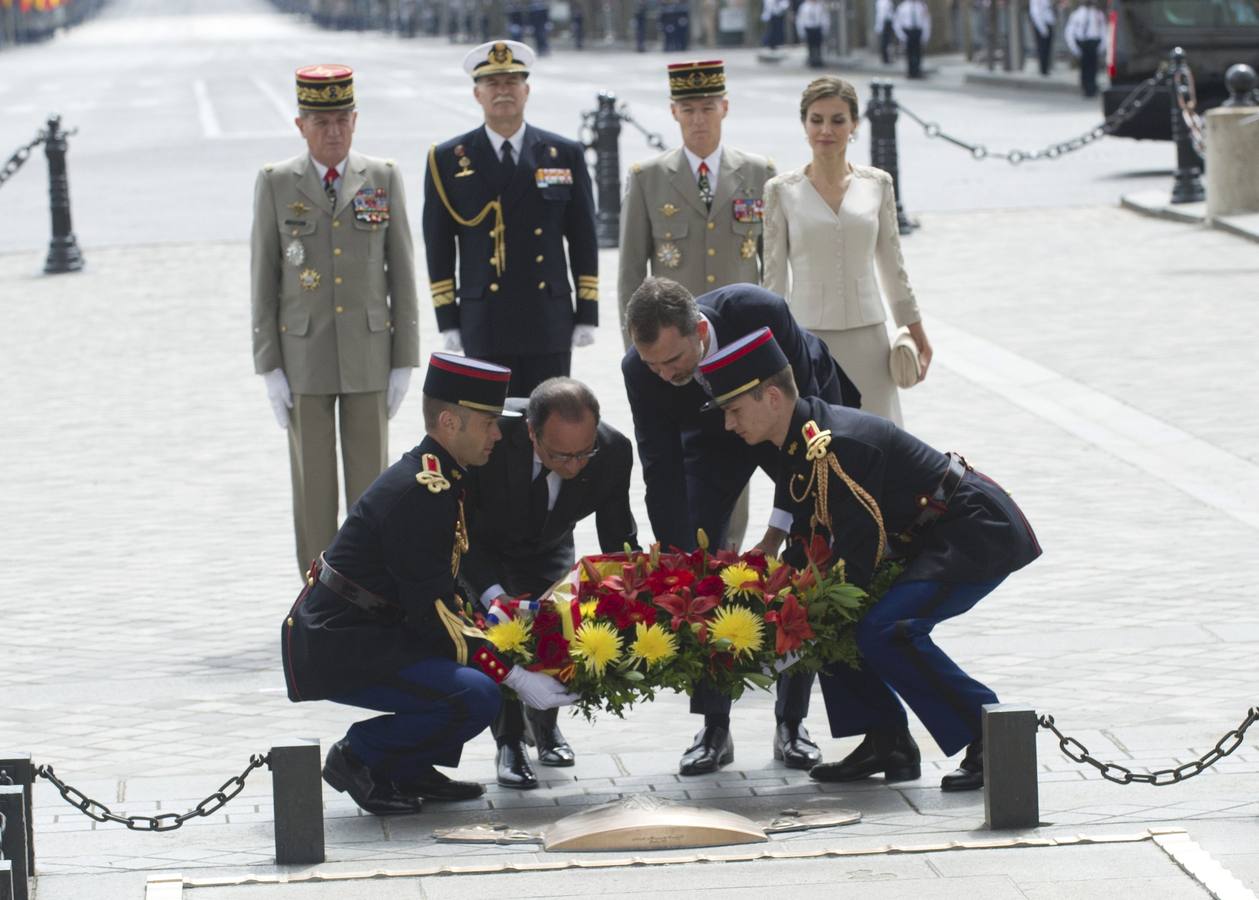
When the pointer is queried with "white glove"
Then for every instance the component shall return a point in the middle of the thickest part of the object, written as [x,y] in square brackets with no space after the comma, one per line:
[399,381]
[538,690]
[453,342]
[583,335]
[280,396]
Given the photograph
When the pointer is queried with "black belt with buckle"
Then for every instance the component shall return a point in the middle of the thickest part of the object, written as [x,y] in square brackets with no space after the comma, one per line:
[351,593]
[932,507]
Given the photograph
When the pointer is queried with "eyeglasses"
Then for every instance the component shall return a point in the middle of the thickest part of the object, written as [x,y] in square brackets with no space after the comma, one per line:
[583,456]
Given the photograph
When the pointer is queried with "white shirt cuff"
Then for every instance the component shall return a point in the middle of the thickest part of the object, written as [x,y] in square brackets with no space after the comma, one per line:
[780,519]
[488,595]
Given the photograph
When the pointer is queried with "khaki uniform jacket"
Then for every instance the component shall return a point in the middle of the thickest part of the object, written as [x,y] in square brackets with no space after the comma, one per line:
[664,224]
[334,302]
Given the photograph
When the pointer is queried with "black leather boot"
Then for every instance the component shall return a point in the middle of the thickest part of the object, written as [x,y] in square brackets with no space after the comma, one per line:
[969,775]
[553,749]
[794,747]
[513,766]
[379,796]
[890,753]
[431,784]
[712,748]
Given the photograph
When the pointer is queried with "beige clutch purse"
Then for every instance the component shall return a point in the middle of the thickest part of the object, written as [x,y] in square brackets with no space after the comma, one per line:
[903,360]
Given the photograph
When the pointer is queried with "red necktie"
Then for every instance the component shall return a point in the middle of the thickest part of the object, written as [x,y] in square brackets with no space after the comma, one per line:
[329,179]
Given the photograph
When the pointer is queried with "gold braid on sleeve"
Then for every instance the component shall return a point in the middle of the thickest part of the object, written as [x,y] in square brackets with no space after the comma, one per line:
[498,232]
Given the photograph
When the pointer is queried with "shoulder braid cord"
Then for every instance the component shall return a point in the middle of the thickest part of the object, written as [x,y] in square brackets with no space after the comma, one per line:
[818,484]
[498,232]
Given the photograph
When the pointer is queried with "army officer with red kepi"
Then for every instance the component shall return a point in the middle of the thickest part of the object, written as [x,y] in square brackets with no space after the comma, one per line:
[379,624]
[876,492]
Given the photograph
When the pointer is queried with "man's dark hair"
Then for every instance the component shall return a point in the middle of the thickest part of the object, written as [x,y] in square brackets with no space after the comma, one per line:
[433,408]
[657,304]
[784,380]
[567,398]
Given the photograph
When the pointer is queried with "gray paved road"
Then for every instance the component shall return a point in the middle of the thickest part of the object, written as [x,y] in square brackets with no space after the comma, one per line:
[178,105]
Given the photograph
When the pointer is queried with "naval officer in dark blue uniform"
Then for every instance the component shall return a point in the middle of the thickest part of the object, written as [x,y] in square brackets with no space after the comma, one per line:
[379,624]
[504,199]
[695,469]
[877,492]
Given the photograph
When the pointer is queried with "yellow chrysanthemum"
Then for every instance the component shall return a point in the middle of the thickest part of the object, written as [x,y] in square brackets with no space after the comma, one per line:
[740,578]
[588,609]
[596,644]
[510,635]
[744,629]
[773,564]
[652,644]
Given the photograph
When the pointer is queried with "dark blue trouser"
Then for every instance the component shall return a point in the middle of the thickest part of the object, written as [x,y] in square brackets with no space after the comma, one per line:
[898,655]
[436,707]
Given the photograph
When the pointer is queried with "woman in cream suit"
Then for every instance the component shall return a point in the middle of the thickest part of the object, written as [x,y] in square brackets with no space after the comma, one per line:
[828,224]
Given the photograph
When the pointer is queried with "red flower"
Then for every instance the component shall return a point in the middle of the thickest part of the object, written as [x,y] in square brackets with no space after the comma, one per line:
[623,612]
[792,621]
[547,621]
[712,586]
[688,610]
[667,580]
[756,559]
[552,651]
[778,581]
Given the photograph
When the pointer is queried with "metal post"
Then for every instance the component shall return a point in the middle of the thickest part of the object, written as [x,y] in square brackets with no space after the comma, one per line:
[63,251]
[883,113]
[16,768]
[13,843]
[1241,81]
[6,880]
[608,170]
[1187,179]
[297,797]
[1011,797]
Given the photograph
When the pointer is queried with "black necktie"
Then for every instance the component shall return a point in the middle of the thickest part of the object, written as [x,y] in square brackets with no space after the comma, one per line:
[508,160]
[539,498]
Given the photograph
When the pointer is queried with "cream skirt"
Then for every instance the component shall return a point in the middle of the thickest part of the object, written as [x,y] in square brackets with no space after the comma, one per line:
[863,354]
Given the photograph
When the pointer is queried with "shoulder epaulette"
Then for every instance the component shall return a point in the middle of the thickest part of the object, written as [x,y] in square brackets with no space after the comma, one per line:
[431,475]
[818,440]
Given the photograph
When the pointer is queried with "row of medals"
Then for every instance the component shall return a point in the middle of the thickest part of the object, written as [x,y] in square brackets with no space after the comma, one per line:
[669,254]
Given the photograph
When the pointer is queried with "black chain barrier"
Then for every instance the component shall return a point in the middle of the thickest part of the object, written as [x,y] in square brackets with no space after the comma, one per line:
[94,809]
[1077,752]
[19,157]
[1131,105]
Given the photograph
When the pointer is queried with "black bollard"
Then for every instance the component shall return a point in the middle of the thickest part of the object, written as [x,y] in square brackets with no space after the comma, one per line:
[1011,793]
[297,798]
[63,250]
[608,170]
[883,112]
[1187,179]
[1241,81]
[15,817]
[16,768]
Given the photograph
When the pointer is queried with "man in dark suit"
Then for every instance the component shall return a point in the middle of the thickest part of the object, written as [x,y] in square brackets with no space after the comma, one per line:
[379,624]
[695,470]
[503,199]
[552,469]
[876,492]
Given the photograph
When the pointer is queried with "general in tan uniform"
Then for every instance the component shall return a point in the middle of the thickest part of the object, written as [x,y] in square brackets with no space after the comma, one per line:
[694,215]
[334,304]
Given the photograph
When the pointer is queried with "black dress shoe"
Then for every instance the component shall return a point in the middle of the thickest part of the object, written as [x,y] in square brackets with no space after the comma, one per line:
[713,748]
[969,775]
[433,785]
[553,749]
[514,770]
[894,754]
[794,747]
[379,796]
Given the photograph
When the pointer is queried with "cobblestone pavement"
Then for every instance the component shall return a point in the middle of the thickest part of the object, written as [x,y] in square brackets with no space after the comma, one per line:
[147,541]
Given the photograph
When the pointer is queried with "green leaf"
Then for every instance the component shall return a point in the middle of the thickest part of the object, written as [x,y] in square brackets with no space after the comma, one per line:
[633,675]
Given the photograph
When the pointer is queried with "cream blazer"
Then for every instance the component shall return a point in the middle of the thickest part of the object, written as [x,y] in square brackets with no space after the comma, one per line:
[832,257]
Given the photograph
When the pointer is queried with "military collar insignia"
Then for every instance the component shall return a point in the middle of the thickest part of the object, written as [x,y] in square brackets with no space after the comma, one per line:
[791,450]
[817,439]
[430,474]
[299,208]
[669,210]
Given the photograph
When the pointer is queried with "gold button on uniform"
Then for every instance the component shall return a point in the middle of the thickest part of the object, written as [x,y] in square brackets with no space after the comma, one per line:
[336,251]
[294,232]
[668,234]
[340,309]
[284,328]
[537,231]
[712,252]
[337,280]
[538,258]
[541,285]
[336,223]
[712,225]
[711,278]
[494,288]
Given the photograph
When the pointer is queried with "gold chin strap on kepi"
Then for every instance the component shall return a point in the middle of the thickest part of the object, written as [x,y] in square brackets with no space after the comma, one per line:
[819,444]
[498,232]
